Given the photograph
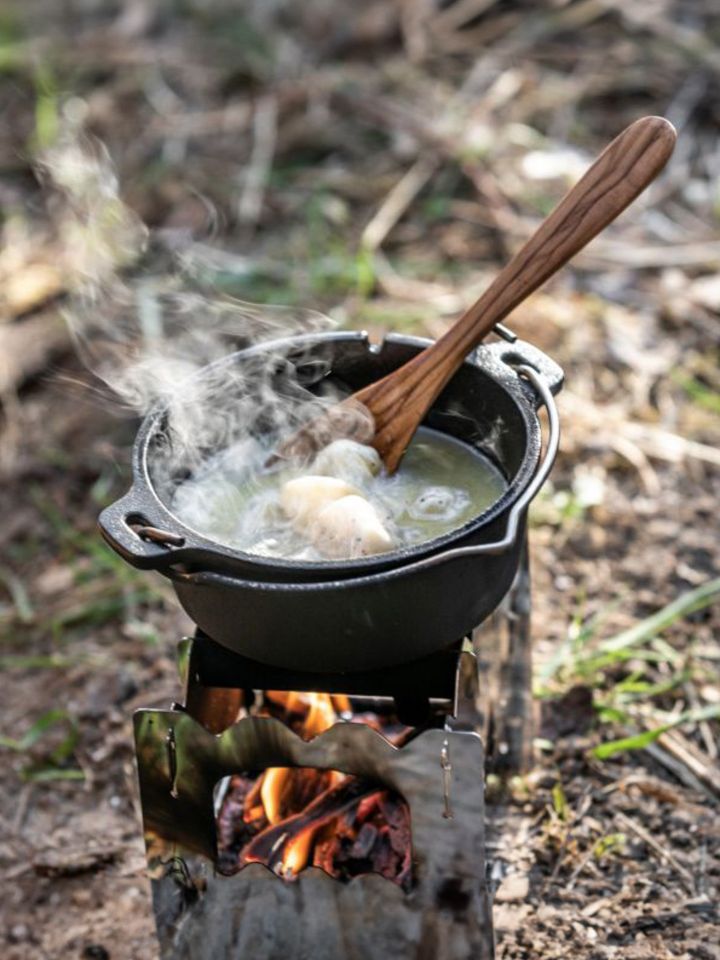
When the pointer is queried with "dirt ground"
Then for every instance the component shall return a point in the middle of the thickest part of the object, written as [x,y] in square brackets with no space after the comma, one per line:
[265,147]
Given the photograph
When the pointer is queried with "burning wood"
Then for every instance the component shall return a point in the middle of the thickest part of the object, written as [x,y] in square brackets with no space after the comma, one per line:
[290,818]
[285,847]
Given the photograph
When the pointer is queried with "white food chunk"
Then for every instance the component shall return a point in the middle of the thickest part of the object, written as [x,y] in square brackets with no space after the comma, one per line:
[439,503]
[348,460]
[303,497]
[349,527]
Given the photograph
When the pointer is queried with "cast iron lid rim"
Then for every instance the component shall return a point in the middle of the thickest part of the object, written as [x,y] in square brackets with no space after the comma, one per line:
[517,389]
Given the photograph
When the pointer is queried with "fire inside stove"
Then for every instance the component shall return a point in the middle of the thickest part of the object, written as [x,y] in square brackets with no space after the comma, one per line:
[290,818]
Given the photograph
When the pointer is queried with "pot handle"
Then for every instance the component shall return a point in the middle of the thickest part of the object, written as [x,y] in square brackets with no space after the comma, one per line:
[516,353]
[124,525]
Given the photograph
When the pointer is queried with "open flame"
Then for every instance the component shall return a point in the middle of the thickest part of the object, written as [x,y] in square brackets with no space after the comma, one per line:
[284,790]
[290,818]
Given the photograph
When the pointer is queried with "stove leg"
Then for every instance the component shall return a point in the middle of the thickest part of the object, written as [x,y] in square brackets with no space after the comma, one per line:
[504,651]
[216,708]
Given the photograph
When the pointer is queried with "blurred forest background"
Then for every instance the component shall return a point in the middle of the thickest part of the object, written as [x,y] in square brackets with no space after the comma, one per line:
[379,161]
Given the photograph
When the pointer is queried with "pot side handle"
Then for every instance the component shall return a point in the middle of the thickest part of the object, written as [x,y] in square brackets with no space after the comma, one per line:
[127,530]
[515,353]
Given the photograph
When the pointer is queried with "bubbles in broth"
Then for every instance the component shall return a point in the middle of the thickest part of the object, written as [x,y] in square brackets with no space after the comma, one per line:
[343,505]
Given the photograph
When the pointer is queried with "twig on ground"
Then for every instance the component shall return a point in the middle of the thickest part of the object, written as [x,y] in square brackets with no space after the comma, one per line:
[22,807]
[579,868]
[260,163]
[629,824]
[397,201]
[638,459]
[606,424]
[685,752]
[678,769]
[231,119]
[706,733]
[456,15]
[605,253]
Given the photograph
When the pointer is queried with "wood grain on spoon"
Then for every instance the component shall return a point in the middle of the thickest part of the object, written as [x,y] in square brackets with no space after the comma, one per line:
[399,402]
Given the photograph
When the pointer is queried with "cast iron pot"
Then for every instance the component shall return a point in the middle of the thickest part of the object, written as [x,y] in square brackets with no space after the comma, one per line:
[372,612]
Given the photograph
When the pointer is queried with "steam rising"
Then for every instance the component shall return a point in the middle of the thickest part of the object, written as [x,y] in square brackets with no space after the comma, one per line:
[160,342]
[147,335]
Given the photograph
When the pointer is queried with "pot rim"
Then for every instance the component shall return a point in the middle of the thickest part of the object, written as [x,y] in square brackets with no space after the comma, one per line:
[488,357]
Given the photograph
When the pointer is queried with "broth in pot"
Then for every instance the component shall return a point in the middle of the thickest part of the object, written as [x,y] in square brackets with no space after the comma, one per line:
[342,505]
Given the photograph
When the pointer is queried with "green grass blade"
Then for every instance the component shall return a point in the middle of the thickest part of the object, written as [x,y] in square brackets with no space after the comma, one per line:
[48,774]
[41,726]
[640,740]
[38,662]
[703,596]
[637,742]
[18,594]
[36,731]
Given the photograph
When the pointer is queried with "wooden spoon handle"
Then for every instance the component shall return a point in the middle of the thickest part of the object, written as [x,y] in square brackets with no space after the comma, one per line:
[621,173]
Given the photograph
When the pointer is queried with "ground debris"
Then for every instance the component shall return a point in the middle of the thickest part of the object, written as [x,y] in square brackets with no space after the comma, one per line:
[68,862]
[616,877]
[27,346]
[30,287]
[572,713]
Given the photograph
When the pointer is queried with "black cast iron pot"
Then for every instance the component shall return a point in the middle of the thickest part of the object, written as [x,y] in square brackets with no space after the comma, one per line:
[371,612]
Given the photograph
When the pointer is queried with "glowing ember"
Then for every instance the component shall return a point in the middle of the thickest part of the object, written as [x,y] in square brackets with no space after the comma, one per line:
[290,818]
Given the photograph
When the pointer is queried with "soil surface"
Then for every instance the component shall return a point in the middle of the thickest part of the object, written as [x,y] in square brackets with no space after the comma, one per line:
[378,164]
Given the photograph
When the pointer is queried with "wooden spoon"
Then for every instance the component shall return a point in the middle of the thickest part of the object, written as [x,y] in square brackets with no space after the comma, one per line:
[398,403]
